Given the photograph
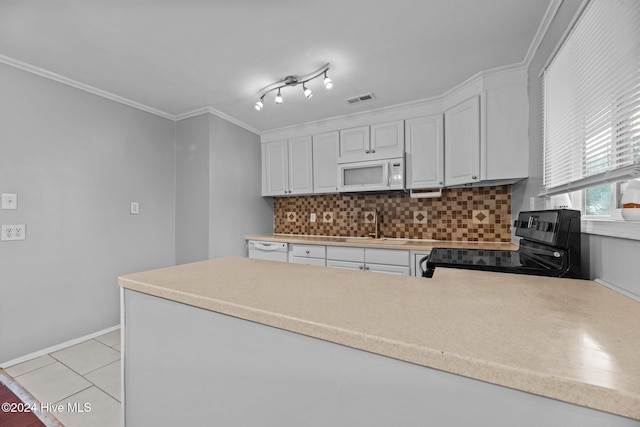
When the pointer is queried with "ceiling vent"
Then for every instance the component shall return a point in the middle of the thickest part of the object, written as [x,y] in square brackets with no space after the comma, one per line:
[361,98]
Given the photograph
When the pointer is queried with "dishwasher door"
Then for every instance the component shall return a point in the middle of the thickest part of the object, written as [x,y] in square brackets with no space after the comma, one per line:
[270,251]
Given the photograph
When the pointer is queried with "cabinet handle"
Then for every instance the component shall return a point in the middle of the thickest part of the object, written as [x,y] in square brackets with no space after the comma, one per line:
[373,151]
[307,251]
[474,177]
[366,267]
[361,267]
[367,151]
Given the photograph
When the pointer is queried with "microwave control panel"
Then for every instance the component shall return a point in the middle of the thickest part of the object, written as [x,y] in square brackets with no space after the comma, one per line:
[396,176]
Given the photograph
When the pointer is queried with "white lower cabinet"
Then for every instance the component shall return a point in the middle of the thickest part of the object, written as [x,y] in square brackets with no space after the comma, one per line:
[389,261]
[307,254]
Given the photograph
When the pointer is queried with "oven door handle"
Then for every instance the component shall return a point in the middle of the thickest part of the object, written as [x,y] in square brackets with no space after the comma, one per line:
[427,272]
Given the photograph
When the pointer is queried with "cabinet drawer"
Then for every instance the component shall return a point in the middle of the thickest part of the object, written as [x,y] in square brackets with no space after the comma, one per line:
[345,253]
[308,251]
[346,265]
[387,256]
[388,269]
[307,261]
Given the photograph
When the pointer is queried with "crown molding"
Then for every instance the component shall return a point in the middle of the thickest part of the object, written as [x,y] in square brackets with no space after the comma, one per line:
[551,12]
[113,97]
[87,88]
[211,110]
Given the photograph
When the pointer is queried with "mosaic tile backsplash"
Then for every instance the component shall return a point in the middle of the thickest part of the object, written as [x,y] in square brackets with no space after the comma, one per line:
[461,214]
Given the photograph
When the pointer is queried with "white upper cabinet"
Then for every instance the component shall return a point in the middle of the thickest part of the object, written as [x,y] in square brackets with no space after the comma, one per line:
[354,144]
[476,135]
[275,169]
[287,167]
[425,152]
[505,152]
[325,161]
[300,166]
[385,140]
[462,143]
[388,139]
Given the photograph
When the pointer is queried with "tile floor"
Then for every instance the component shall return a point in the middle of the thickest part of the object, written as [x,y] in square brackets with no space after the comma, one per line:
[86,373]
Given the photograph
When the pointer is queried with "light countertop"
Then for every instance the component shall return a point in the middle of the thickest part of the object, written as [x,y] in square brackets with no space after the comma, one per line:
[410,244]
[571,340]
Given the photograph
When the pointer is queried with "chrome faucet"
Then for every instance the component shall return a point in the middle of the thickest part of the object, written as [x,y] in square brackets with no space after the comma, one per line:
[376,224]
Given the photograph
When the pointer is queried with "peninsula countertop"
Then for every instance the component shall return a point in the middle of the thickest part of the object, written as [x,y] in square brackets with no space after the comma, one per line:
[386,243]
[572,340]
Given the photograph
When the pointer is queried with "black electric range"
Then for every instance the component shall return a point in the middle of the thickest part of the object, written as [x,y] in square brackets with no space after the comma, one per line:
[550,246]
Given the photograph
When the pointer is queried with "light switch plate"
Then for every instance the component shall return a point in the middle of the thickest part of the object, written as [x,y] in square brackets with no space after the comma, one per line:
[9,201]
[135,208]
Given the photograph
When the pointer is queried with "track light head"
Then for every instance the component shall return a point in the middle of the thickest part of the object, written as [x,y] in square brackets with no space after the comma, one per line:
[327,81]
[259,104]
[307,91]
[278,98]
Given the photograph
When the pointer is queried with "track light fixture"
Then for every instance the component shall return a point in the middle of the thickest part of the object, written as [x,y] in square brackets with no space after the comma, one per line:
[294,81]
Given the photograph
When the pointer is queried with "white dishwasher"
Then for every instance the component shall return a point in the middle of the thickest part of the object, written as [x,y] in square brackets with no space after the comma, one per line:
[271,251]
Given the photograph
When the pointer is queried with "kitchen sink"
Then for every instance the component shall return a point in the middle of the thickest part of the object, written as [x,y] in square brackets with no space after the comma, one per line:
[371,241]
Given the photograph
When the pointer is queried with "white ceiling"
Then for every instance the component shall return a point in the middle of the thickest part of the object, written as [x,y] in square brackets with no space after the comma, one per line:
[177,56]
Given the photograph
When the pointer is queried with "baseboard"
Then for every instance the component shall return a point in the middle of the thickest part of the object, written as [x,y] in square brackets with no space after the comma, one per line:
[618,289]
[57,347]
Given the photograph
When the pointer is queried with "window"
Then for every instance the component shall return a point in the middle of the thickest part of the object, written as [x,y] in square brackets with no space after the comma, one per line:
[591,108]
[600,201]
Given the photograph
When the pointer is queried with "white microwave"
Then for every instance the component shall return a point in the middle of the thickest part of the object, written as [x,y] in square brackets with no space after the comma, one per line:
[371,175]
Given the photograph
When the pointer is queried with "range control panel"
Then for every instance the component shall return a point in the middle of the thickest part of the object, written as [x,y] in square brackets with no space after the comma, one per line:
[550,227]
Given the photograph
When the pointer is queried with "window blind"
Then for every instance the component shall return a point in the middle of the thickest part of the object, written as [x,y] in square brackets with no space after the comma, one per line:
[591,100]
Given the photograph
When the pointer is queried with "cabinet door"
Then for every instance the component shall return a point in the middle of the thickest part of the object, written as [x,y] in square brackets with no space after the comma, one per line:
[275,169]
[387,139]
[300,166]
[347,265]
[425,152]
[505,154]
[462,143]
[325,162]
[354,144]
[388,269]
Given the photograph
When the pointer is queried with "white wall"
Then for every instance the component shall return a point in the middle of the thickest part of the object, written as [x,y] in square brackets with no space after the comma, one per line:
[218,181]
[236,207]
[192,189]
[76,161]
[611,259]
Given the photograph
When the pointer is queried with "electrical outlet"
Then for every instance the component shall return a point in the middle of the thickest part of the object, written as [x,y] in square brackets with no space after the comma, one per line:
[14,232]
[135,208]
[312,218]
